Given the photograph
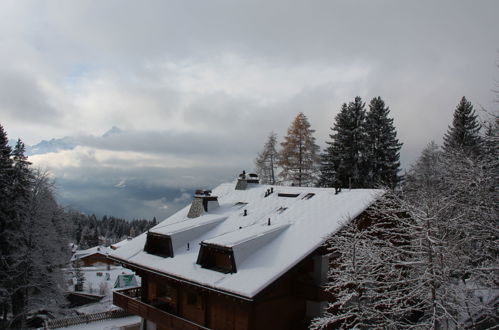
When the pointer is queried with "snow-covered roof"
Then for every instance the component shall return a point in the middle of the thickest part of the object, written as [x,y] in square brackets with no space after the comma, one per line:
[119,244]
[184,232]
[263,249]
[93,250]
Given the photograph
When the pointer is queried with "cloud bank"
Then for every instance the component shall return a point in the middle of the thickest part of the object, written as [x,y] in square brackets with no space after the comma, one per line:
[197,87]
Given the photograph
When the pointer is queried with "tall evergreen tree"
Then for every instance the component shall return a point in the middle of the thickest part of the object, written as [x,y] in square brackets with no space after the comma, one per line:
[266,161]
[44,246]
[299,154]
[382,146]
[344,158]
[5,216]
[464,133]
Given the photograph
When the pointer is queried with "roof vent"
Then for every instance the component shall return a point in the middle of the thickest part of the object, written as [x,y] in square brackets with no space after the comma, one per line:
[202,202]
[244,179]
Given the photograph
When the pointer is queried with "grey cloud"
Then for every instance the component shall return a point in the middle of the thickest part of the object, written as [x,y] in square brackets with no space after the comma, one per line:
[22,97]
[113,58]
[148,192]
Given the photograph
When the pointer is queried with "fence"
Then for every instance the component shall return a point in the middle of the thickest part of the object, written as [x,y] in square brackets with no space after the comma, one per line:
[80,319]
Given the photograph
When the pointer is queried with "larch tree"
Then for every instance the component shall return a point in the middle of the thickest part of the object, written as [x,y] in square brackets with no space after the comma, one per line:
[382,146]
[266,161]
[298,157]
[343,161]
[464,133]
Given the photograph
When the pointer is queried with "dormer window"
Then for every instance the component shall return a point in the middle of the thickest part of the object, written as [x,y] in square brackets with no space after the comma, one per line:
[159,245]
[178,236]
[218,258]
[226,252]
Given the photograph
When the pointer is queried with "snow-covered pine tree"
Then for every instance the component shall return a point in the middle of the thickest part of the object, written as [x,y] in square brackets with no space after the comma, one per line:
[429,259]
[372,273]
[382,146]
[464,133]
[266,161]
[5,216]
[298,157]
[19,200]
[344,158]
[42,254]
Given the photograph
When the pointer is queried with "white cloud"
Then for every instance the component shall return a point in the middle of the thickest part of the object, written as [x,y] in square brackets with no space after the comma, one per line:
[198,86]
[87,157]
[183,198]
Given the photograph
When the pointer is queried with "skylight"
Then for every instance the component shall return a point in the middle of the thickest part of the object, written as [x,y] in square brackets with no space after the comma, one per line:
[288,195]
[308,196]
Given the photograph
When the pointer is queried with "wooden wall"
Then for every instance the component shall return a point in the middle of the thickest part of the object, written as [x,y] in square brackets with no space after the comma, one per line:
[282,305]
[96,258]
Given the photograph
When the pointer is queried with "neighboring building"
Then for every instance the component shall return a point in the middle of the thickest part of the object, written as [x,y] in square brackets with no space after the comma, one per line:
[245,258]
[94,256]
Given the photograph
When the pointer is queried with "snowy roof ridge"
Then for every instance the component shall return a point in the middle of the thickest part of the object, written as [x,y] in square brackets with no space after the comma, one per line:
[301,226]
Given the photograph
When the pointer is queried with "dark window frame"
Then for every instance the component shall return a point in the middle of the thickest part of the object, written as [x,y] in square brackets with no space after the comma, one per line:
[159,245]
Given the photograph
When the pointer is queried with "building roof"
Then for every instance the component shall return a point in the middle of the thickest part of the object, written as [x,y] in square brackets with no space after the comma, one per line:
[263,249]
[93,250]
[119,244]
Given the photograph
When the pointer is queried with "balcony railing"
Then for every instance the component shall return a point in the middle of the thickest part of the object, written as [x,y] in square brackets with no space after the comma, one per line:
[129,300]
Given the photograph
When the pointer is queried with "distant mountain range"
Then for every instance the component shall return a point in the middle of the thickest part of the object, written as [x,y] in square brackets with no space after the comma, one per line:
[56,145]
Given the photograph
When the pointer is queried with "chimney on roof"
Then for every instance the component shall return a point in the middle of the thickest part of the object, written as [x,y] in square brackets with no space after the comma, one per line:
[244,179]
[202,202]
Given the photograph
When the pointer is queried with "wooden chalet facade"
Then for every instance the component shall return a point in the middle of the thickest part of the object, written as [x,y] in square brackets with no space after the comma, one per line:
[172,303]
[92,257]
[234,279]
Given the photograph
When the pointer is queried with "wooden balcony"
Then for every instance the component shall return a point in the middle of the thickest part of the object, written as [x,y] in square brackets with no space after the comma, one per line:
[129,300]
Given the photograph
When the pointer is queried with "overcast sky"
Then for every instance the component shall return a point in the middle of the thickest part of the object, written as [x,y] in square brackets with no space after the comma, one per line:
[196,86]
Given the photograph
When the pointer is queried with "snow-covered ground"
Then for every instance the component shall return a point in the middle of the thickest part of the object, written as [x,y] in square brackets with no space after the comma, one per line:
[110,324]
[98,283]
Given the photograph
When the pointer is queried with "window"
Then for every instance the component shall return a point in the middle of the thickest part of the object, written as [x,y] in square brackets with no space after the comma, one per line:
[308,196]
[287,195]
[218,258]
[159,245]
[192,298]
[240,205]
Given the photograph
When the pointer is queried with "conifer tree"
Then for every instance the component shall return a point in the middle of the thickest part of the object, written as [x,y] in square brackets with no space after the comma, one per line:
[382,146]
[266,161]
[464,133]
[299,154]
[343,161]
[5,246]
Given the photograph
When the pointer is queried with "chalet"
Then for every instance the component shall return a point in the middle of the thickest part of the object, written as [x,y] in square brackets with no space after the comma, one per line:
[243,256]
[93,256]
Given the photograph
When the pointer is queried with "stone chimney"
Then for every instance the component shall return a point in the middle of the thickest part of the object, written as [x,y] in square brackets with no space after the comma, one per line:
[202,202]
[245,179]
